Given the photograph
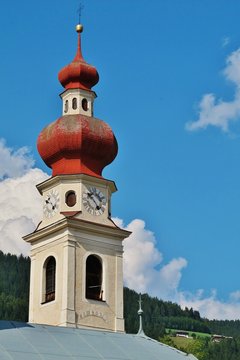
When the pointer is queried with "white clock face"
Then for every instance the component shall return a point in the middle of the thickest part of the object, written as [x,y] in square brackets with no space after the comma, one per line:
[94,201]
[51,203]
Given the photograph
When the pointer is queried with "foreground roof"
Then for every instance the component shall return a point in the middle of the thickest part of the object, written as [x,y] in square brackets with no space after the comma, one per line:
[33,342]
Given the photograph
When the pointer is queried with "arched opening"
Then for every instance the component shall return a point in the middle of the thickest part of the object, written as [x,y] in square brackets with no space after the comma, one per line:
[74,103]
[85,104]
[66,106]
[50,276]
[94,278]
[70,198]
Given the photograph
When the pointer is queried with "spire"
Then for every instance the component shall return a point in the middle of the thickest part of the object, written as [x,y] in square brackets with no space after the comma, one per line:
[79,57]
[140,313]
[78,74]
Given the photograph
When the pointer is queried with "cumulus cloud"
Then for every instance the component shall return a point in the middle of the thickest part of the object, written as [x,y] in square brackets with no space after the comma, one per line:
[11,232]
[144,270]
[14,162]
[210,306]
[217,112]
[21,210]
[235,296]
[20,202]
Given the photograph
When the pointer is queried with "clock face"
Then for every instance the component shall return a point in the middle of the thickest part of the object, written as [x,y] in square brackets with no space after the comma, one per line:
[51,203]
[94,201]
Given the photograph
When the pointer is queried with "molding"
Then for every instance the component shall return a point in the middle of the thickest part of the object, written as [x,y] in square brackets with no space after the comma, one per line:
[80,225]
[78,91]
[58,179]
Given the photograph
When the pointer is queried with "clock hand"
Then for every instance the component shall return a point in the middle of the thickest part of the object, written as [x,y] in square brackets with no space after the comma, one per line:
[90,195]
[48,201]
[97,203]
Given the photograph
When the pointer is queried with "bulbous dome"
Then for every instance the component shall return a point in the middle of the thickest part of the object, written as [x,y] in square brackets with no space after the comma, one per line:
[75,144]
[78,74]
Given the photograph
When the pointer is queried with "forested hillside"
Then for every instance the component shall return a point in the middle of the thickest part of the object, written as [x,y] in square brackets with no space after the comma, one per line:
[170,315]
[226,327]
[14,287]
[158,315]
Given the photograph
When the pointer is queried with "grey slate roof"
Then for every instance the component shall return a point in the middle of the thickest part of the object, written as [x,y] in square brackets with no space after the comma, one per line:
[34,342]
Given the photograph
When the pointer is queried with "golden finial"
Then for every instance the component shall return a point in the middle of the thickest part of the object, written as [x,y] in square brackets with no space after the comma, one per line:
[79,28]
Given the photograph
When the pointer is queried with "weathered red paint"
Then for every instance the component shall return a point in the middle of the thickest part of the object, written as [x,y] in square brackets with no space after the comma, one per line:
[78,74]
[76,144]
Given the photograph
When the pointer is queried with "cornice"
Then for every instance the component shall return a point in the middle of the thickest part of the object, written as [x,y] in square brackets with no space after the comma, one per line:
[80,225]
[58,179]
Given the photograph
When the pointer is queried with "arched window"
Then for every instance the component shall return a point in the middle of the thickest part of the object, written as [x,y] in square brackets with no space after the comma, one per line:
[74,103]
[71,198]
[50,266]
[94,278]
[85,104]
[66,106]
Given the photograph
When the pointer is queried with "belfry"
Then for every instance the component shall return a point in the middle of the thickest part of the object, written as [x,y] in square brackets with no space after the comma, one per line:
[76,250]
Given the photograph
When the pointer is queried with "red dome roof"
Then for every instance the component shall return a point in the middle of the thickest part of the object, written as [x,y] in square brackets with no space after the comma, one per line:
[78,74]
[75,144]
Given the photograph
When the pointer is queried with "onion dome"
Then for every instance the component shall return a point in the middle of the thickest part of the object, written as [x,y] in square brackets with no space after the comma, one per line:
[75,144]
[78,74]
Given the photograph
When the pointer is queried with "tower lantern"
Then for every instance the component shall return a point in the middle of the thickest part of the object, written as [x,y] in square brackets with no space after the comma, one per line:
[76,251]
[78,78]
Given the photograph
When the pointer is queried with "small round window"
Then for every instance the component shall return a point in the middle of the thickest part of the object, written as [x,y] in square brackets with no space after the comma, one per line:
[71,198]
[85,104]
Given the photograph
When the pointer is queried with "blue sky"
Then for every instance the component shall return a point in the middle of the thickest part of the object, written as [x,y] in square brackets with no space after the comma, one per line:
[169,88]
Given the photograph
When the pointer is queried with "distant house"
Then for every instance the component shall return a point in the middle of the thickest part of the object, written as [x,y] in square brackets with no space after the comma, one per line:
[184,334]
[218,338]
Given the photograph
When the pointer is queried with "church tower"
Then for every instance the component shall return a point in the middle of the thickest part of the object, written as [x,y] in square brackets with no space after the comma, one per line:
[76,250]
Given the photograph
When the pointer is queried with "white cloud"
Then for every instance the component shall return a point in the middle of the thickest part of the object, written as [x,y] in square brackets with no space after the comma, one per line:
[225,41]
[20,201]
[235,296]
[143,268]
[141,257]
[170,276]
[21,210]
[217,112]
[11,232]
[210,306]
[14,162]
